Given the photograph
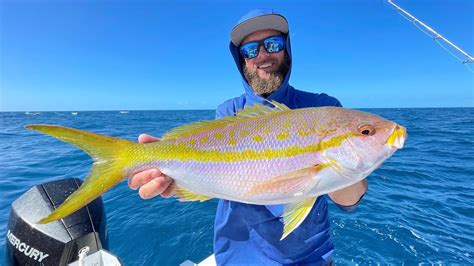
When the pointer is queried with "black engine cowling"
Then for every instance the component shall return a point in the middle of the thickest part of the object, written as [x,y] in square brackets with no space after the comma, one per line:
[58,242]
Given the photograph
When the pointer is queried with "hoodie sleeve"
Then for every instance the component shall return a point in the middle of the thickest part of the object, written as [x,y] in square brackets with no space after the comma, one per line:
[219,112]
[332,101]
[309,99]
[227,108]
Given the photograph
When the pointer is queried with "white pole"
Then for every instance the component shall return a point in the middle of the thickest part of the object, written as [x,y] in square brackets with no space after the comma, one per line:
[470,59]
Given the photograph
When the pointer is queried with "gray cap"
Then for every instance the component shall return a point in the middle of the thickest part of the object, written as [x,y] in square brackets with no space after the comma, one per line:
[255,20]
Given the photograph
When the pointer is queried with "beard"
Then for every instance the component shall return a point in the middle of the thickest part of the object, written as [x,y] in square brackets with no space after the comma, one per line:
[265,87]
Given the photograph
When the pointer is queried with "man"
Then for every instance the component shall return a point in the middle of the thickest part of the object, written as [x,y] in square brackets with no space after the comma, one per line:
[250,234]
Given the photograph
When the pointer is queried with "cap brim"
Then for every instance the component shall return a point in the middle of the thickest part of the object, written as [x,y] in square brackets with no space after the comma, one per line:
[264,22]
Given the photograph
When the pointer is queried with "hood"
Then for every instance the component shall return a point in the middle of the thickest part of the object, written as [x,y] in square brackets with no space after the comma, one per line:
[285,91]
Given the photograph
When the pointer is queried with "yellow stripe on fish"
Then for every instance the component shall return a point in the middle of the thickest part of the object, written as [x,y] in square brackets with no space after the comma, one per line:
[182,152]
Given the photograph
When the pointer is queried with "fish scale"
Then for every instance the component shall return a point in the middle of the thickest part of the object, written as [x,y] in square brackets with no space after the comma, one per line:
[270,140]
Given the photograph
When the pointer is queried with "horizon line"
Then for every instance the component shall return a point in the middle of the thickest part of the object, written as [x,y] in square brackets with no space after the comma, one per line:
[149,110]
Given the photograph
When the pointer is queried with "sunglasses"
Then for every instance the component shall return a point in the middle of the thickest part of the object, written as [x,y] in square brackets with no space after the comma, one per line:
[273,44]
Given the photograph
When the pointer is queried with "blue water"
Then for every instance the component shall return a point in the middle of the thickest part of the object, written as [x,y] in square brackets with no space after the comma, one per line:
[419,207]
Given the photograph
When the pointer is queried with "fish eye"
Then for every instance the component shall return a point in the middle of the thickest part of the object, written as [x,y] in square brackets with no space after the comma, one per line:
[367,130]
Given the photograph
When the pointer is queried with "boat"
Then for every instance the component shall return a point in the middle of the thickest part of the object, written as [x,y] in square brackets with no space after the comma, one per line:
[209,261]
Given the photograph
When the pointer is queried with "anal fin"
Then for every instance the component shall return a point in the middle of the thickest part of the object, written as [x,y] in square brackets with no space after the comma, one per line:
[186,195]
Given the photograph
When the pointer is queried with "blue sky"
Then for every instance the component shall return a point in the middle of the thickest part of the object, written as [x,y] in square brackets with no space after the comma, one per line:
[154,55]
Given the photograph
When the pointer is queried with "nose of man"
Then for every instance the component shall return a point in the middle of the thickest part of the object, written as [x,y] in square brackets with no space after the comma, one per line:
[263,52]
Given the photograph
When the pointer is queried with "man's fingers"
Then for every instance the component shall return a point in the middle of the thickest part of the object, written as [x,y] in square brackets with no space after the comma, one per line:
[154,187]
[151,182]
[145,138]
[167,193]
[143,177]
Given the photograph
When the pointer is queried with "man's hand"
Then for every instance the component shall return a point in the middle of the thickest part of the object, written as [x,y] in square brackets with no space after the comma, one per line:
[151,182]
[350,195]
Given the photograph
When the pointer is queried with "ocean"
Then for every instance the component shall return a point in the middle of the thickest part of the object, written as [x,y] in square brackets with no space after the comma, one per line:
[419,207]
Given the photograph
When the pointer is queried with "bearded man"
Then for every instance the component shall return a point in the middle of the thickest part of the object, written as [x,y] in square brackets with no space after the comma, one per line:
[250,234]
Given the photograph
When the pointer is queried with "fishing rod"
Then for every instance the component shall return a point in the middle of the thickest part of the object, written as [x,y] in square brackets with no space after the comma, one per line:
[433,34]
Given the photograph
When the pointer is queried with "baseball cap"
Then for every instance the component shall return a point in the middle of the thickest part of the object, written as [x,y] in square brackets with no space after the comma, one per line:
[255,20]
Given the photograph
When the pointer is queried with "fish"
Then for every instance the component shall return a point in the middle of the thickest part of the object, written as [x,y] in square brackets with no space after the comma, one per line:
[264,155]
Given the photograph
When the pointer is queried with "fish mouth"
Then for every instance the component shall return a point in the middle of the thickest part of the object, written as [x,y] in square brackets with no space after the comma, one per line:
[397,138]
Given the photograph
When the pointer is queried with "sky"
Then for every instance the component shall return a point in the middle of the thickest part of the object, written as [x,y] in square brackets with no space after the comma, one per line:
[173,55]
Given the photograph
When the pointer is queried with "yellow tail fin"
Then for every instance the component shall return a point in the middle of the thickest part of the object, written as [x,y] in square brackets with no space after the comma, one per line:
[110,161]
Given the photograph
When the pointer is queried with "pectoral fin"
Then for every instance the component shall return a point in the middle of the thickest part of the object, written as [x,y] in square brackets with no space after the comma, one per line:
[296,182]
[186,195]
[294,214]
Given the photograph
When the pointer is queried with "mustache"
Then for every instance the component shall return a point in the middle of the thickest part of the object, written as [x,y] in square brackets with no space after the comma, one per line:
[266,61]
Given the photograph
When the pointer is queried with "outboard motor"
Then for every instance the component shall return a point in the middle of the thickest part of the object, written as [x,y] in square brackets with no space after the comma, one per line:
[58,242]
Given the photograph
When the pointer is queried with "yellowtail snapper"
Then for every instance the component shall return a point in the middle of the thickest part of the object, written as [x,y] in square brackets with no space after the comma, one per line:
[264,155]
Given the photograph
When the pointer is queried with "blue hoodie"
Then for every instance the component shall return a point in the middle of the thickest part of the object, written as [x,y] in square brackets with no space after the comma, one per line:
[250,234]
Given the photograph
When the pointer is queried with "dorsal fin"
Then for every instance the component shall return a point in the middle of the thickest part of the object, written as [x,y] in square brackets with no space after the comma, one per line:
[279,106]
[260,109]
[249,111]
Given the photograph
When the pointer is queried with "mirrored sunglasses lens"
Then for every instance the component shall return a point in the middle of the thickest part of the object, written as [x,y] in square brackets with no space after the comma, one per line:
[274,44]
[249,50]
